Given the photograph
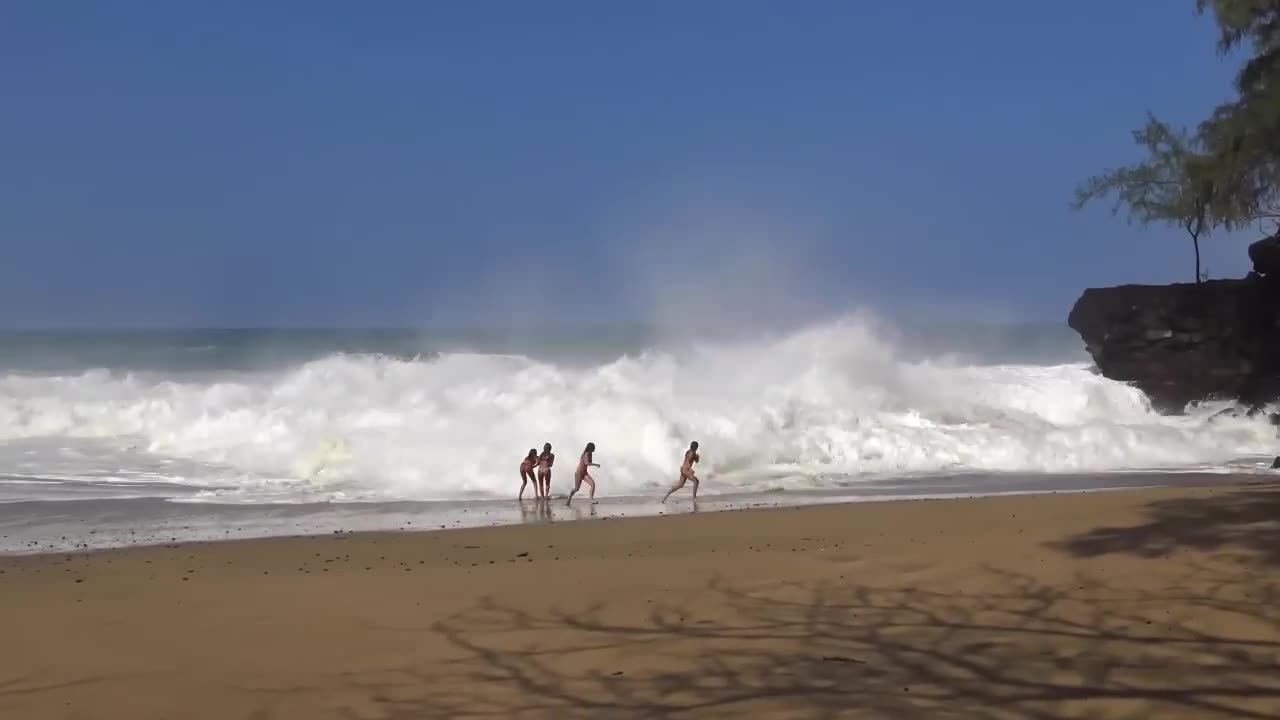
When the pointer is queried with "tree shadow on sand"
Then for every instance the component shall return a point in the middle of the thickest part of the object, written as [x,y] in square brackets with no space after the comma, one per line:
[1030,652]
[1246,521]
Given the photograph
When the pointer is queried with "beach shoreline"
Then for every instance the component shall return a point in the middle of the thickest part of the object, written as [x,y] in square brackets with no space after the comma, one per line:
[35,527]
[1132,603]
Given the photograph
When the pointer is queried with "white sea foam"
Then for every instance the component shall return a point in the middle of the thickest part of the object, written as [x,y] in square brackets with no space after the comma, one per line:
[829,404]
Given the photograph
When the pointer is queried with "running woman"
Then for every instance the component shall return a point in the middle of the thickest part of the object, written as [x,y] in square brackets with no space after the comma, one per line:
[581,475]
[686,471]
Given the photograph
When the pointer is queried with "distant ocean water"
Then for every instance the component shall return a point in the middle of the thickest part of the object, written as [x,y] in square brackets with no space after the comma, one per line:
[258,417]
[243,350]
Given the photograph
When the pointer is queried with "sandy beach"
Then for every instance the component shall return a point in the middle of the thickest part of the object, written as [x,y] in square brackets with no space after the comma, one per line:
[1130,604]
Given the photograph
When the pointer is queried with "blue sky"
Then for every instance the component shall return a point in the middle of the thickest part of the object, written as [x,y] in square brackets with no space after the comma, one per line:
[393,163]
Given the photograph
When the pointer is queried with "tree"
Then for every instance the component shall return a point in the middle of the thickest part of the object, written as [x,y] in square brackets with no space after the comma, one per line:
[1172,186]
[1227,174]
[1242,137]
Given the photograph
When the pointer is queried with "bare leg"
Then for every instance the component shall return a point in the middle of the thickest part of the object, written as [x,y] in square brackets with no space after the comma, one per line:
[694,478]
[577,485]
[679,484]
[591,482]
[524,480]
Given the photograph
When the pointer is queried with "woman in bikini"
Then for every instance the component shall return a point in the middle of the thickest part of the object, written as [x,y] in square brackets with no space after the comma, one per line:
[526,473]
[545,461]
[581,475]
[686,472]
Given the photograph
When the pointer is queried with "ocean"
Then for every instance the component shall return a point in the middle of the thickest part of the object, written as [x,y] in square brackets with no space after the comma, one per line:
[108,438]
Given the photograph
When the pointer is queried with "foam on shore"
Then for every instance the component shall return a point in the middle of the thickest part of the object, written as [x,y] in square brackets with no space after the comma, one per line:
[58,526]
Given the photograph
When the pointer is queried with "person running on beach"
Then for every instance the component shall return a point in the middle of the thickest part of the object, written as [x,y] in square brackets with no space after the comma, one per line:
[581,475]
[545,461]
[686,472]
[526,473]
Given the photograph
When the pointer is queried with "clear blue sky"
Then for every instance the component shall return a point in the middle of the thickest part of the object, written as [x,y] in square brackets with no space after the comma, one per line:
[391,163]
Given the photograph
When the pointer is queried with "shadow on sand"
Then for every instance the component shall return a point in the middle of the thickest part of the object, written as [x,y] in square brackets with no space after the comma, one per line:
[1029,652]
[1202,641]
[1242,521]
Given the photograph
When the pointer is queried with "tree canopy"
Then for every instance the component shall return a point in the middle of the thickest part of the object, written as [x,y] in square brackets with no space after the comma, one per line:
[1242,136]
[1226,173]
[1168,187]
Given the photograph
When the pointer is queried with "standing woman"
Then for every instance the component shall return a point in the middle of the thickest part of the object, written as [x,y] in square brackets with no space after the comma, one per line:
[545,461]
[581,475]
[526,473]
[686,472]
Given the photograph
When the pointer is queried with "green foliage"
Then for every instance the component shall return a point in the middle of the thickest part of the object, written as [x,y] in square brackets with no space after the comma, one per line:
[1162,188]
[1241,20]
[1227,173]
[1168,187]
[1242,136]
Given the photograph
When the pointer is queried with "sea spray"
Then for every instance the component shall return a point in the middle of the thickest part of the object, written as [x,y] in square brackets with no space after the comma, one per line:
[813,409]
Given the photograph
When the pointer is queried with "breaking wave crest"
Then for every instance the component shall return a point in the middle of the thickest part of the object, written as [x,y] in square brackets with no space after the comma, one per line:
[827,405]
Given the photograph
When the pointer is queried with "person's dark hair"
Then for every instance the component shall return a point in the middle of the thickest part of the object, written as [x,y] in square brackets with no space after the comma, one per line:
[591,447]
[546,447]
[693,445]
[533,453]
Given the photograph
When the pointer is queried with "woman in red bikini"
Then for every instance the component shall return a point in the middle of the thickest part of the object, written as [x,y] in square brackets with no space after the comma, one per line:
[526,473]
[581,475]
[545,461]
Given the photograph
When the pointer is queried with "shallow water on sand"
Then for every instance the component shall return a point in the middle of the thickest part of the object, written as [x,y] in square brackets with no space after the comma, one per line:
[57,526]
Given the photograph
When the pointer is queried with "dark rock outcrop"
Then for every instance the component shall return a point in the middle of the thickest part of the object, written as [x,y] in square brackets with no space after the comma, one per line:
[1265,255]
[1186,342]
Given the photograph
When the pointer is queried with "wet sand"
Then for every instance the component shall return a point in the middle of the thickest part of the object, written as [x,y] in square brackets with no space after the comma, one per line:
[1129,604]
[68,524]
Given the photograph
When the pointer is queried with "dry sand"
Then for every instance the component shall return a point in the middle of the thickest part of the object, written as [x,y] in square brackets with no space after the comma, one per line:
[1135,604]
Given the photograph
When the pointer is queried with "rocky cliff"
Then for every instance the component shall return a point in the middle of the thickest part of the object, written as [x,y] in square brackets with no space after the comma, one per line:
[1186,342]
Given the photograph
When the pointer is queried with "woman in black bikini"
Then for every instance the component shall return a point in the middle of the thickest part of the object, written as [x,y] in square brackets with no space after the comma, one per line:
[686,472]
[581,475]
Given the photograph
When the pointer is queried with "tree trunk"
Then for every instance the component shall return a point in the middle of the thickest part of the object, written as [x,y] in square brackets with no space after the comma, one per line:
[1195,241]
[1194,227]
